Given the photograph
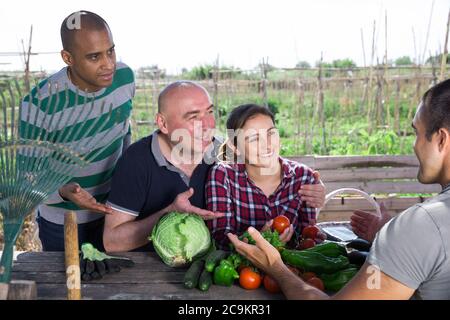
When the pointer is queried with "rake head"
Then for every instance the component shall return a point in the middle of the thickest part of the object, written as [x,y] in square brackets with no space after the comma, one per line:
[41,150]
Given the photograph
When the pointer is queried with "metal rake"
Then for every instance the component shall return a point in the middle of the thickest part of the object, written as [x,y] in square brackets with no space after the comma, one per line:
[42,152]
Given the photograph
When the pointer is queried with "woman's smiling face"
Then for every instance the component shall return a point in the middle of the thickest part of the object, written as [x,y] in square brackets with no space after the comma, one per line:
[259,141]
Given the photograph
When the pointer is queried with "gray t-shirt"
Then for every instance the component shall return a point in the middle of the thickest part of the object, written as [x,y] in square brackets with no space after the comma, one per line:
[413,248]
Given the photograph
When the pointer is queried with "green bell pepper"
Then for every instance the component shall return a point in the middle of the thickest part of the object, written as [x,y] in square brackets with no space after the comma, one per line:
[225,273]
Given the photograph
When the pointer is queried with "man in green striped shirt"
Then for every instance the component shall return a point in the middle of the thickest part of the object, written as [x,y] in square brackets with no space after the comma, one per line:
[93,79]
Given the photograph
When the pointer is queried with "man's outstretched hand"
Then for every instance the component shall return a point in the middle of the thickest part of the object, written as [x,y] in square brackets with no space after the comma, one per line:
[313,194]
[83,199]
[262,255]
[182,204]
[366,225]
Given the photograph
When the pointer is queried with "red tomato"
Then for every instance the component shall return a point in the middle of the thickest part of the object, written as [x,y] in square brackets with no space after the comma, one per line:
[306,243]
[280,223]
[308,275]
[270,284]
[316,282]
[249,279]
[310,232]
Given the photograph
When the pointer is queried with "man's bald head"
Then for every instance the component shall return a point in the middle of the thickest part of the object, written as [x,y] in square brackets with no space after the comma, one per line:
[174,88]
[78,22]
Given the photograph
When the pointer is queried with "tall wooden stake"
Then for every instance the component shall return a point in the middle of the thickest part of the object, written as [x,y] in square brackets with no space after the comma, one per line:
[445,52]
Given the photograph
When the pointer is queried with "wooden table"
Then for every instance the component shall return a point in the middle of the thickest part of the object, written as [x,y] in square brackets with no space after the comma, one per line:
[150,278]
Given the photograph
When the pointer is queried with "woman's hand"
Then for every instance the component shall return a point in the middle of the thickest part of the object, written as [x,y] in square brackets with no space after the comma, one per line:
[285,236]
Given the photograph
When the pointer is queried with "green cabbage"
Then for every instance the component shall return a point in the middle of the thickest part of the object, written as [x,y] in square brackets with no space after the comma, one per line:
[178,238]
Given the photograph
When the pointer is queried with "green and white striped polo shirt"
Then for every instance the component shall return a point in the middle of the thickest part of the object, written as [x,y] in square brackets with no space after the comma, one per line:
[95,177]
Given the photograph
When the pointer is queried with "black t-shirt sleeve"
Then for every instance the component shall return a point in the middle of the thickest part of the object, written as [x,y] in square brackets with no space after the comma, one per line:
[129,183]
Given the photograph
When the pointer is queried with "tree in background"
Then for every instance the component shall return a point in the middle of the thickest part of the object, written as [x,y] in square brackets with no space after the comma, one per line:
[303,64]
[344,63]
[436,60]
[403,61]
[206,71]
[339,63]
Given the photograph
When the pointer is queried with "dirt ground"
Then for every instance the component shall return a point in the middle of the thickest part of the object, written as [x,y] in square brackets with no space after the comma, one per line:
[28,239]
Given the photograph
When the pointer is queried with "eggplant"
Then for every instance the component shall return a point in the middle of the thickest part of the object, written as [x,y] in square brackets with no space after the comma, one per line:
[357,257]
[359,244]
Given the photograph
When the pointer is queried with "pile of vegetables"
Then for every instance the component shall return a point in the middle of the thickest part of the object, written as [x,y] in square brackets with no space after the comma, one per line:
[224,268]
[181,239]
[311,235]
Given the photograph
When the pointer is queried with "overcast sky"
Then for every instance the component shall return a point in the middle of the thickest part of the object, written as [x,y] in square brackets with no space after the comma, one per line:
[177,33]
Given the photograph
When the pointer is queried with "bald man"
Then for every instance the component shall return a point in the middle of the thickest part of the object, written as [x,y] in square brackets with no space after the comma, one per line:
[167,170]
[91,73]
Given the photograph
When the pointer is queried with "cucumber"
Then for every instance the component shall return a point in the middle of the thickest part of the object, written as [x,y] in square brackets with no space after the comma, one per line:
[205,280]
[213,259]
[192,275]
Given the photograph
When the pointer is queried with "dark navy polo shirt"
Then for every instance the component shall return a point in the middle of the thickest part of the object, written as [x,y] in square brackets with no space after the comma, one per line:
[144,182]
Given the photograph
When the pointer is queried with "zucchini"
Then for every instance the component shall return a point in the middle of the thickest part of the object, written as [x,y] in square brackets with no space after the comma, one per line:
[314,261]
[205,280]
[213,259]
[192,275]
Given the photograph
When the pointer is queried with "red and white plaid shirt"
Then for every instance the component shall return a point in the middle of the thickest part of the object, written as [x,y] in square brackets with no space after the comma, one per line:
[231,191]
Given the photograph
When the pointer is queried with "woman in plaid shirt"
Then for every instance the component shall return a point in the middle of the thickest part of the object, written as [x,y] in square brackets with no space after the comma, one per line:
[253,184]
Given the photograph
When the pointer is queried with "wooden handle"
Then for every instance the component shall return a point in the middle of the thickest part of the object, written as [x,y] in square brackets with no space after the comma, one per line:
[4,287]
[72,257]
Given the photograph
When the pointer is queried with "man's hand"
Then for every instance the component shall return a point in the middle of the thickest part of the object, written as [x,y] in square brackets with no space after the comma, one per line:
[285,236]
[313,194]
[263,255]
[83,199]
[366,225]
[266,258]
[182,204]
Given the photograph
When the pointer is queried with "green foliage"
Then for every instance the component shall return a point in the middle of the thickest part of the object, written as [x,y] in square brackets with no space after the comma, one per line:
[344,63]
[273,106]
[437,59]
[303,64]
[339,63]
[200,72]
[381,142]
[206,71]
[403,61]
[324,64]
